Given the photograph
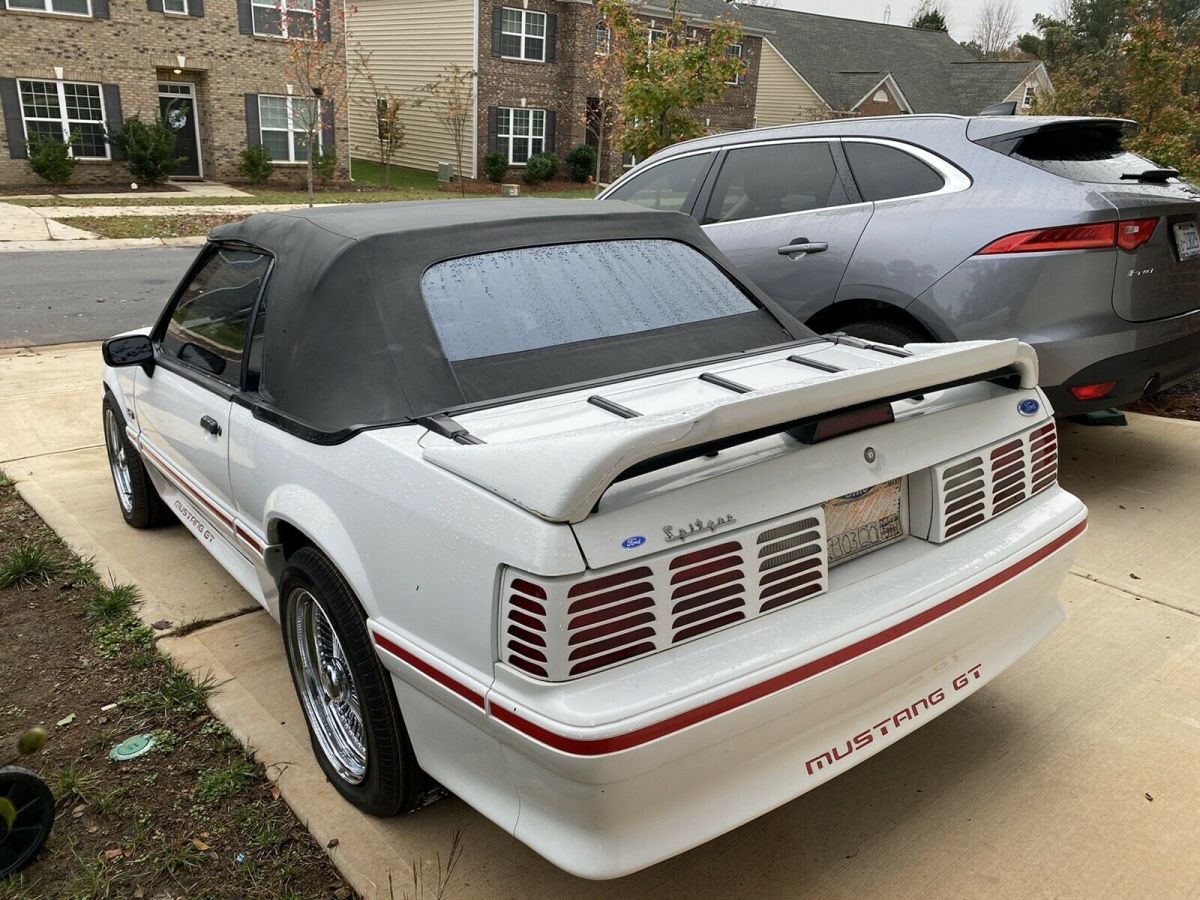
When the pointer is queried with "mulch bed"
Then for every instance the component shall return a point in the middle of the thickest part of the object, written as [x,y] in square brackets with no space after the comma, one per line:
[150,226]
[68,189]
[1179,402]
[195,817]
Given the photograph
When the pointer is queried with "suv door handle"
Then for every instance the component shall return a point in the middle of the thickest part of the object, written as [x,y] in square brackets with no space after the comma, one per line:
[803,247]
[209,424]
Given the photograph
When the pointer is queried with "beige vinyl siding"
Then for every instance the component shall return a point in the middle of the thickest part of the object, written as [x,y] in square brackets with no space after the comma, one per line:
[783,97]
[411,42]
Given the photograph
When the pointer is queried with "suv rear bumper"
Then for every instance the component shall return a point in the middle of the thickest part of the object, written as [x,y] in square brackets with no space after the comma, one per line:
[611,773]
[1137,373]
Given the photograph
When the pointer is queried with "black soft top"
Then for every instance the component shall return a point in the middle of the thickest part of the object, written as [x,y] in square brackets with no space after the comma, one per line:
[348,341]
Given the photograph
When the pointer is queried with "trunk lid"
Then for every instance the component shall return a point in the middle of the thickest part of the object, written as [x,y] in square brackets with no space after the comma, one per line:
[557,456]
[1161,278]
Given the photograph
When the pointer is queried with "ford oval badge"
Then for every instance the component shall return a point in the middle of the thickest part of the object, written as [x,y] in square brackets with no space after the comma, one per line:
[630,542]
[1028,407]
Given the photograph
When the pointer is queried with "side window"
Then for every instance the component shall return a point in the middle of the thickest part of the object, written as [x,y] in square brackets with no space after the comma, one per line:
[666,186]
[884,172]
[208,326]
[773,179]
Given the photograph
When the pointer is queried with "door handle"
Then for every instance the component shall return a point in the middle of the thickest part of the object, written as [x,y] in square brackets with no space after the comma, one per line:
[211,425]
[803,247]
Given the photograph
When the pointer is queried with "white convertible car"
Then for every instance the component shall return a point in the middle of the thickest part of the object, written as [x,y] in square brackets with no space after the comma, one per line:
[555,506]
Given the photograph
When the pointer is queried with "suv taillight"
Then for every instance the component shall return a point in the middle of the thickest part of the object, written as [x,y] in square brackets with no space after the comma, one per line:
[1096,236]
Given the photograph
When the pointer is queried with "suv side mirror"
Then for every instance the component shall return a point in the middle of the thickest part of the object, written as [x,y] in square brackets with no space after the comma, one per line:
[129,350]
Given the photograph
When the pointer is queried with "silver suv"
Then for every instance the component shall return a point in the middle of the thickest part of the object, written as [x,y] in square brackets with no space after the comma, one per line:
[917,228]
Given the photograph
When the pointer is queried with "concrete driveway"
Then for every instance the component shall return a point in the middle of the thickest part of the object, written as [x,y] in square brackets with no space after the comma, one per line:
[1076,774]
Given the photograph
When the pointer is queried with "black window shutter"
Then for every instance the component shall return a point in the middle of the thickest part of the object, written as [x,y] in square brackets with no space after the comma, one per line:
[196,9]
[245,18]
[497,12]
[323,29]
[551,32]
[114,120]
[328,128]
[154,5]
[253,134]
[491,127]
[550,128]
[10,99]
[99,9]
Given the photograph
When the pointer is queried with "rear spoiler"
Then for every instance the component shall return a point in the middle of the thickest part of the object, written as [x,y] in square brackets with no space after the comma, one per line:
[561,477]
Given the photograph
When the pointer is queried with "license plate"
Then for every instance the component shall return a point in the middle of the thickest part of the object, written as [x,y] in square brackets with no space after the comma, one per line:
[863,521]
[1187,240]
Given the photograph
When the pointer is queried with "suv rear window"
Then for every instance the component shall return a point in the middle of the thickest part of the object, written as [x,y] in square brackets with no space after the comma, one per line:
[536,297]
[884,173]
[1082,153]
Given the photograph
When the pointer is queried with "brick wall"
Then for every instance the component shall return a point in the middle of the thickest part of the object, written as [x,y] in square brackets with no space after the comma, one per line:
[564,85]
[137,48]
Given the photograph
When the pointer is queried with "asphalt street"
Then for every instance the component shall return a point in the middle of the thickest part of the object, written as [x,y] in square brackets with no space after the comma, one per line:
[83,295]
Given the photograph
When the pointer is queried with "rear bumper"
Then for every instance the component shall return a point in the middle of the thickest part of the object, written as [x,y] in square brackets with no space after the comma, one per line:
[614,772]
[1148,369]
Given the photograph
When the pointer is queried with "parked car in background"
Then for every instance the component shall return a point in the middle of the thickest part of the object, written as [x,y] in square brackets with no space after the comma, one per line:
[554,505]
[915,228]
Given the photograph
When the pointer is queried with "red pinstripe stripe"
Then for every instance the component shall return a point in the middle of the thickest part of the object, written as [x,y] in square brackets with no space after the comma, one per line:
[616,743]
[429,671]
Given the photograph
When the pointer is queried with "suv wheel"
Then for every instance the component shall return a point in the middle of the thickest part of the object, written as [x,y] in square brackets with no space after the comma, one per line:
[895,333]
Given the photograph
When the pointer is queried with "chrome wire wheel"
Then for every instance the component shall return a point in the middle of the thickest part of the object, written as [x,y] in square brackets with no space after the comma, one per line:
[117,460]
[327,689]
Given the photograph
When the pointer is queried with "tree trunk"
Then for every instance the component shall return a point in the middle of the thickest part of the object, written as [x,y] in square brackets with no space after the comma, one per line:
[308,167]
[600,149]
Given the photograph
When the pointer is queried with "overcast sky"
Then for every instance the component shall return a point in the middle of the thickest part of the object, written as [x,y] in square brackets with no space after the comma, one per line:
[961,13]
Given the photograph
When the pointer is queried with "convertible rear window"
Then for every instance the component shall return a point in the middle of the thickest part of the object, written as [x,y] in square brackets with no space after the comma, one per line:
[538,297]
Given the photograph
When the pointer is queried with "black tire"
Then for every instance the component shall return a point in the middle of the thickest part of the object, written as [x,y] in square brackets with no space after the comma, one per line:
[392,781]
[141,506]
[21,842]
[895,333]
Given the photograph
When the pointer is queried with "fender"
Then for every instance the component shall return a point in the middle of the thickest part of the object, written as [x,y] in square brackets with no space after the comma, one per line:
[122,384]
[309,514]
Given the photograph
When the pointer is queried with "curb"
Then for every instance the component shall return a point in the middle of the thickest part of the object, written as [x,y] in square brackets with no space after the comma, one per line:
[99,244]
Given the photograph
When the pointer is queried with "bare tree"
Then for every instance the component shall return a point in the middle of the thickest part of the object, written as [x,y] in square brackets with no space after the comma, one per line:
[995,28]
[386,107]
[317,66]
[451,97]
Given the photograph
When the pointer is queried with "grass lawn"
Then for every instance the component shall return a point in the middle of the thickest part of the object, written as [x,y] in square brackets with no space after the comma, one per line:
[196,816]
[148,226]
[406,184]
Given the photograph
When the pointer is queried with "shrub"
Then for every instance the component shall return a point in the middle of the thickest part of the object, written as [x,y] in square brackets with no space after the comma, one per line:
[256,164]
[495,167]
[149,149]
[540,167]
[50,159]
[581,163]
[325,165]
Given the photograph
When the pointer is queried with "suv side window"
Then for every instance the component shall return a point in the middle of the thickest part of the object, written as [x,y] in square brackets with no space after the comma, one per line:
[773,179]
[668,185]
[884,172]
[207,329]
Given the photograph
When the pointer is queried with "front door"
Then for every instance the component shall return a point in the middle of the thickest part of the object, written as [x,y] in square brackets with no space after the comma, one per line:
[772,196]
[179,112]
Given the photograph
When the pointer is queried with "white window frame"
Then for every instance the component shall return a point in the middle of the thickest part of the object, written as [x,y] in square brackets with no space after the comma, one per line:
[292,128]
[526,16]
[528,138]
[651,40]
[605,48]
[46,8]
[737,79]
[62,120]
[1030,95]
[173,12]
[284,10]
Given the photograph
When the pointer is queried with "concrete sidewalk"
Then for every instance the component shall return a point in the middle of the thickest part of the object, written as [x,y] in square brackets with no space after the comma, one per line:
[1075,774]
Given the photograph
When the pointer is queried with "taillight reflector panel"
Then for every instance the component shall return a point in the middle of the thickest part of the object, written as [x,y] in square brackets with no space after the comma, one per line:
[1128,235]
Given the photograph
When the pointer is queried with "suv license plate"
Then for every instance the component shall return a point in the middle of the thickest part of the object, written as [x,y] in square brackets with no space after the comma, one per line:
[1187,240]
[863,521]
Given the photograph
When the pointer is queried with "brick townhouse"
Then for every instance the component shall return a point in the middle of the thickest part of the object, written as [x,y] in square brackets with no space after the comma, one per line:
[216,68]
[534,91]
